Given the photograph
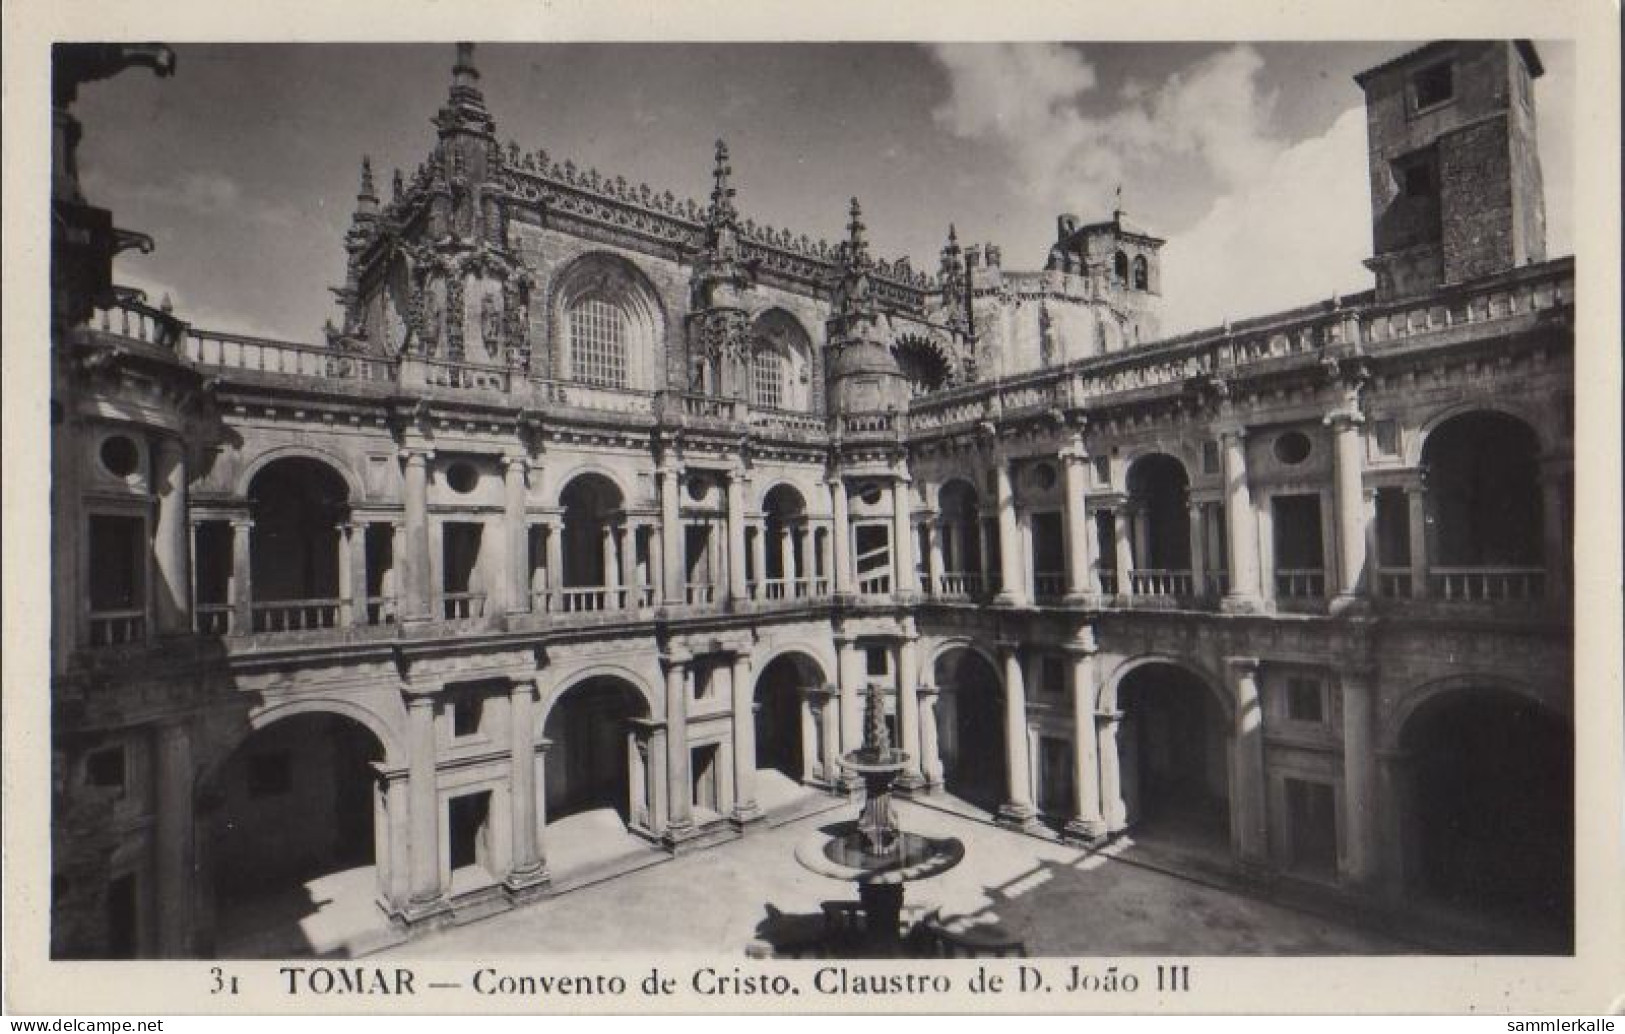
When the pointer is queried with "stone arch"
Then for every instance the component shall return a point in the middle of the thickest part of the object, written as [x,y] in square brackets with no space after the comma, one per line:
[566,477]
[967,482]
[1502,407]
[1419,697]
[620,281]
[925,361]
[944,646]
[766,653]
[208,769]
[1106,700]
[791,485]
[600,670]
[340,466]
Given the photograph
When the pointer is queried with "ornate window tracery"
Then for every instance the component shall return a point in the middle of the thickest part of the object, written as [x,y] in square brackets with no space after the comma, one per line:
[767,378]
[598,341]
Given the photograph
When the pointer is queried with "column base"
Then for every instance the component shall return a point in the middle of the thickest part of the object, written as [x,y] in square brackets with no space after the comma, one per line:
[1351,604]
[1017,816]
[909,784]
[1007,599]
[1085,832]
[525,884]
[418,913]
[1242,605]
[1087,600]
[745,814]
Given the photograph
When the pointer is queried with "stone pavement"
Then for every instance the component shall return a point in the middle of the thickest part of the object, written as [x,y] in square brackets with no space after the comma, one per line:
[1061,900]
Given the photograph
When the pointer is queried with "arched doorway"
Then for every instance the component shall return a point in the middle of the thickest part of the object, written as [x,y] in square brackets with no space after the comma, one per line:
[970,728]
[782,752]
[1161,539]
[290,837]
[1492,800]
[298,505]
[593,543]
[1173,756]
[1483,494]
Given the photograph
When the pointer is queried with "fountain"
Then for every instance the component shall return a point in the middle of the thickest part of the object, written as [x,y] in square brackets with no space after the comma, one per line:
[873,851]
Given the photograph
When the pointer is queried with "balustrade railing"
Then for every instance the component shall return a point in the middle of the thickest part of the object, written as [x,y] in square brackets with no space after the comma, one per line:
[1486,584]
[700,593]
[450,373]
[593,396]
[1108,580]
[786,420]
[1300,583]
[1216,583]
[1395,583]
[262,355]
[1152,582]
[462,606]
[578,599]
[138,322]
[959,584]
[295,615]
[380,610]
[875,585]
[1049,585]
[212,618]
[117,627]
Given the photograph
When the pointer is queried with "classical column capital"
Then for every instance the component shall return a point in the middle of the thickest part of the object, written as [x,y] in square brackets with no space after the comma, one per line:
[415,455]
[676,657]
[1244,667]
[1343,419]
[514,460]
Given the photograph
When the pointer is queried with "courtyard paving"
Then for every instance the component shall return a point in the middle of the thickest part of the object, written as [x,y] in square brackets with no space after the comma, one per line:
[1060,900]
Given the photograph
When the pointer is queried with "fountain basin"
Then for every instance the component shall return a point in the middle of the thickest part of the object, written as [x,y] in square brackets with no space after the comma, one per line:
[843,854]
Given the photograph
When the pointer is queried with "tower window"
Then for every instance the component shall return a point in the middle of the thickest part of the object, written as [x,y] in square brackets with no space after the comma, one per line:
[1120,268]
[1418,180]
[598,342]
[1142,274]
[1434,85]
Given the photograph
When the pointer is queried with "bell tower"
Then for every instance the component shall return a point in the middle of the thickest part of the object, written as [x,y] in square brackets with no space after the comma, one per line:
[1455,175]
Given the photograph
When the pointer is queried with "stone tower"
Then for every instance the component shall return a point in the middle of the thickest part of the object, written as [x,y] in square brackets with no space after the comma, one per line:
[862,373]
[1122,265]
[1455,175]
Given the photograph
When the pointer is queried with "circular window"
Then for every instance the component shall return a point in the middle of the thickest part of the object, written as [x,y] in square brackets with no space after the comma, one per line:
[698,488]
[462,477]
[1292,448]
[1044,476]
[120,456]
[870,494]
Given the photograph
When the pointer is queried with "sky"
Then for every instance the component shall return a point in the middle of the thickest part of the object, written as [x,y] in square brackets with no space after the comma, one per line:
[1249,158]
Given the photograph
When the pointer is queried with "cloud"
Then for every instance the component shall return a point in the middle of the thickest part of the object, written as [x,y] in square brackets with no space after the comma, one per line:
[196,193]
[1293,234]
[1034,100]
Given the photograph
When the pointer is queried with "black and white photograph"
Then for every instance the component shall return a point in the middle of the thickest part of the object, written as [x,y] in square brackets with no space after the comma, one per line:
[1055,504]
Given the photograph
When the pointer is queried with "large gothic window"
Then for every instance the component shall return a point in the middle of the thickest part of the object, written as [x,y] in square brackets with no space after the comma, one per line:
[767,378]
[598,342]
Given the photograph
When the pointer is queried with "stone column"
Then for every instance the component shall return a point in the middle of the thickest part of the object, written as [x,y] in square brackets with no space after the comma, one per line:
[1417,533]
[736,536]
[956,547]
[679,791]
[356,541]
[984,542]
[629,564]
[823,537]
[417,605]
[347,603]
[787,560]
[516,534]
[1013,590]
[1351,509]
[843,536]
[1088,824]
[173,840]
[1198,519]
[908,706]
[1112,811]
[1249,815]
[905,576]
[1079,543]
[527,867]
[671,537]
[1241,524]
[849,669]
[425,808]
[744,735]
[397,549]
[1359,778]
[242,567]
[1122,532]
[930,743]
[396,807]
[1019,810]
[612,573]
[171,547]
[933,550]
[555,563]
[758,558]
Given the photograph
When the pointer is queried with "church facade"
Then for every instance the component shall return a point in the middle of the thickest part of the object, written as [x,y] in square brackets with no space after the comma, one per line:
[597,501]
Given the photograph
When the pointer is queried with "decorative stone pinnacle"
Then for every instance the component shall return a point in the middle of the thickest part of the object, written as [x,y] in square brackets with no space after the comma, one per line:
[857,248]
[367,189]
[464,71]
[722,194]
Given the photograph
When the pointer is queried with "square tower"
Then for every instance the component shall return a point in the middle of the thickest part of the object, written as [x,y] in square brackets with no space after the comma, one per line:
[1455,176]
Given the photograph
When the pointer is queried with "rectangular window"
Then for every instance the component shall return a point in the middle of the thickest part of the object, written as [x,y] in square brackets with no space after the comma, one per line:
[270,775]
[468,829]
[467,713]
[116,551]
[1386,434]
[1052,676]
[1312,821]
[1433,85]
[767,378]
[706,769]
[1393,528]
[877,660]
[1305,701]
[1210,457]
[1103,470]
[598,343]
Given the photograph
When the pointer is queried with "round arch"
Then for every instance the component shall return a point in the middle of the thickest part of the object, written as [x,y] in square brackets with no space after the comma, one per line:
[208,769]
[1109,686]
[589,467]
[619,281]
[1496,407]
[780,331]
[1420,698]
[605,670]
[765,655]
[252,469]
[946,646]
[784,486]
[964,484]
